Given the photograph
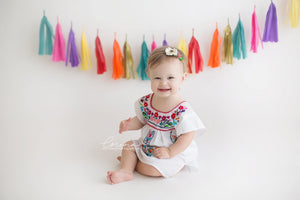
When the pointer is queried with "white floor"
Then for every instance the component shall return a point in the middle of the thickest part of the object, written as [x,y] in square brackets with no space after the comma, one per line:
[53,164]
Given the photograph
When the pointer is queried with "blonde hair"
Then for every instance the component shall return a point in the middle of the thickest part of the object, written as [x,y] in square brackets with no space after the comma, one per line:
[159,55]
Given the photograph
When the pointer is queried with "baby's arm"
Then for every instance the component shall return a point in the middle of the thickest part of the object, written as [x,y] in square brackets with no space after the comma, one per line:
[182,142]
[130,124]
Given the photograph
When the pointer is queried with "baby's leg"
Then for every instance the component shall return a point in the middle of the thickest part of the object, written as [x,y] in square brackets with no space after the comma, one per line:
[147,170]
[128,164]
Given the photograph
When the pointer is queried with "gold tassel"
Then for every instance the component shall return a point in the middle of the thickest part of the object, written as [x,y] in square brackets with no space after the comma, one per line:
[227,50]
[128,63]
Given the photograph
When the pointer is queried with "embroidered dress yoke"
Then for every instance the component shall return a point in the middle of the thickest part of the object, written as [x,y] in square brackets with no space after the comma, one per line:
[162,130]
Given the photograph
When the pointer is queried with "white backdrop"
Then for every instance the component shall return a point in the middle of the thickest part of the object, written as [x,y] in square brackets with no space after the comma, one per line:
[54,119]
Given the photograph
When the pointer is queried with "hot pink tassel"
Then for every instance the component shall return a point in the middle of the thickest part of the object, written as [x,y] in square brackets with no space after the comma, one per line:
[153,46]
[58,53]
[256,37]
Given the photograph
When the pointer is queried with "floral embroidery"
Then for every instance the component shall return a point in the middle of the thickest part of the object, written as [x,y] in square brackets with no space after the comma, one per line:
[173,137]
[146,147]
[165,121]
[149,137]
[148,150]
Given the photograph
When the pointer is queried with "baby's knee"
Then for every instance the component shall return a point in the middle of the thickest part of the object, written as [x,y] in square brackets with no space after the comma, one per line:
[128,146]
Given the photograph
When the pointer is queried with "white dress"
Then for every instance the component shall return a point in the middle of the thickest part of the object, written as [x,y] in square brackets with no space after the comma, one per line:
[161,130]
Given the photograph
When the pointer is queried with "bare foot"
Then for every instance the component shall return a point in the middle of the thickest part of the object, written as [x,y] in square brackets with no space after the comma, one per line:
[118,176]
[119,158]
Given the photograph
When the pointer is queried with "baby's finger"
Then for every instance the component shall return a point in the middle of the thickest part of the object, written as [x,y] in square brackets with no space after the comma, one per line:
[157,153]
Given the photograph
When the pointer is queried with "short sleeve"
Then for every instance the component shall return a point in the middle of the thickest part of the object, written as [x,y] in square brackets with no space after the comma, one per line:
[138,111]
[189,122]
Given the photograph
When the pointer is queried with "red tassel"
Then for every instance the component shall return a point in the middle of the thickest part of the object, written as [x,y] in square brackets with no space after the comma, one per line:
[195,48]
[101,66]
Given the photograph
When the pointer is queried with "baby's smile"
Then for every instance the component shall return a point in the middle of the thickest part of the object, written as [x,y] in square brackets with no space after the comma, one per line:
[164,89]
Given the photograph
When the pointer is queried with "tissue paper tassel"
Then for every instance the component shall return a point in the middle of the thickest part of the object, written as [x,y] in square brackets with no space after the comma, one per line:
[72,54]
[153,46]
[271,30]
[183,46]
[227,46]
[118,70]
[256,38]
[194,48]
[85,54]
[128,63]
[45,47]
[214,58]
[101,65]
[238,40]
[141,70]
[165,41]
[294,13]
[58,53]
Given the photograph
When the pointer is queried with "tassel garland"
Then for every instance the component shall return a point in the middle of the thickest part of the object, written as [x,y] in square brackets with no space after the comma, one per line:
[128,63]
[294,13]
[256,37]
[227,46]
[194,48]
[238,40]
[85,54]
[101,66]
[141,70]
[72,54]
[234,45]
[271,30]
[118,70]
[214,58]
[45,47]
[58,53]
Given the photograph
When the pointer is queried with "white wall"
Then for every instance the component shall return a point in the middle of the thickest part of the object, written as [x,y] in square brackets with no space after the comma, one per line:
[252,106]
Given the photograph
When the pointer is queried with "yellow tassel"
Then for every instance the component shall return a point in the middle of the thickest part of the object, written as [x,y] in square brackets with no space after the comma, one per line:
[85,54]
[227,50]
[128,63]
[294,13]
[183,46]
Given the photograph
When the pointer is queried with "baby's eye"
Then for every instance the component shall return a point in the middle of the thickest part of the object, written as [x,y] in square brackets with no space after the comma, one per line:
[171,77]
[157,78]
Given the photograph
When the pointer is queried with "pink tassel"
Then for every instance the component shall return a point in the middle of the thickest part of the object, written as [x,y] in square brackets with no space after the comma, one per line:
[256,37]
[58,53]
[153,46]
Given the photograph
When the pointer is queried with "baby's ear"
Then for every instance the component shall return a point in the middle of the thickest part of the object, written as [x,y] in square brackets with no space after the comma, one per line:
[147,72]
[184,76]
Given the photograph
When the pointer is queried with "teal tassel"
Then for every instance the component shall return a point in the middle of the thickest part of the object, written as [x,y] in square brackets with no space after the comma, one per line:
[141,70]
[45,48]
[238,40]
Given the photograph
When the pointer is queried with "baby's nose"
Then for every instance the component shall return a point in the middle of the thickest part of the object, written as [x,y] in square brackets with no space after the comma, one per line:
[163,81]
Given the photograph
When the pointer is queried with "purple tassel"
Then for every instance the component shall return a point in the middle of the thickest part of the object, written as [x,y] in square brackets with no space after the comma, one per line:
[165,41]
[72,50]
[271,30]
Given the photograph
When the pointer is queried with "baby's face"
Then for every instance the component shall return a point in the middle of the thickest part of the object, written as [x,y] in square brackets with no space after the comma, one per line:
[167,77]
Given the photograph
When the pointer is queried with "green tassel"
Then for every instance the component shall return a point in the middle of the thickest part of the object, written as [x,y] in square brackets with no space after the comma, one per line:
[141,70]
[45,48]
[238,40]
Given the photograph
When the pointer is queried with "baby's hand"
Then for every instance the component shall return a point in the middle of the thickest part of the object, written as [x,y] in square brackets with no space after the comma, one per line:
[162,153]
[124,125]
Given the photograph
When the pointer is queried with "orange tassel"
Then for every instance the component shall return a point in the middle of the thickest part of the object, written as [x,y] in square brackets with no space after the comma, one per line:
[214,58]
[118,70]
